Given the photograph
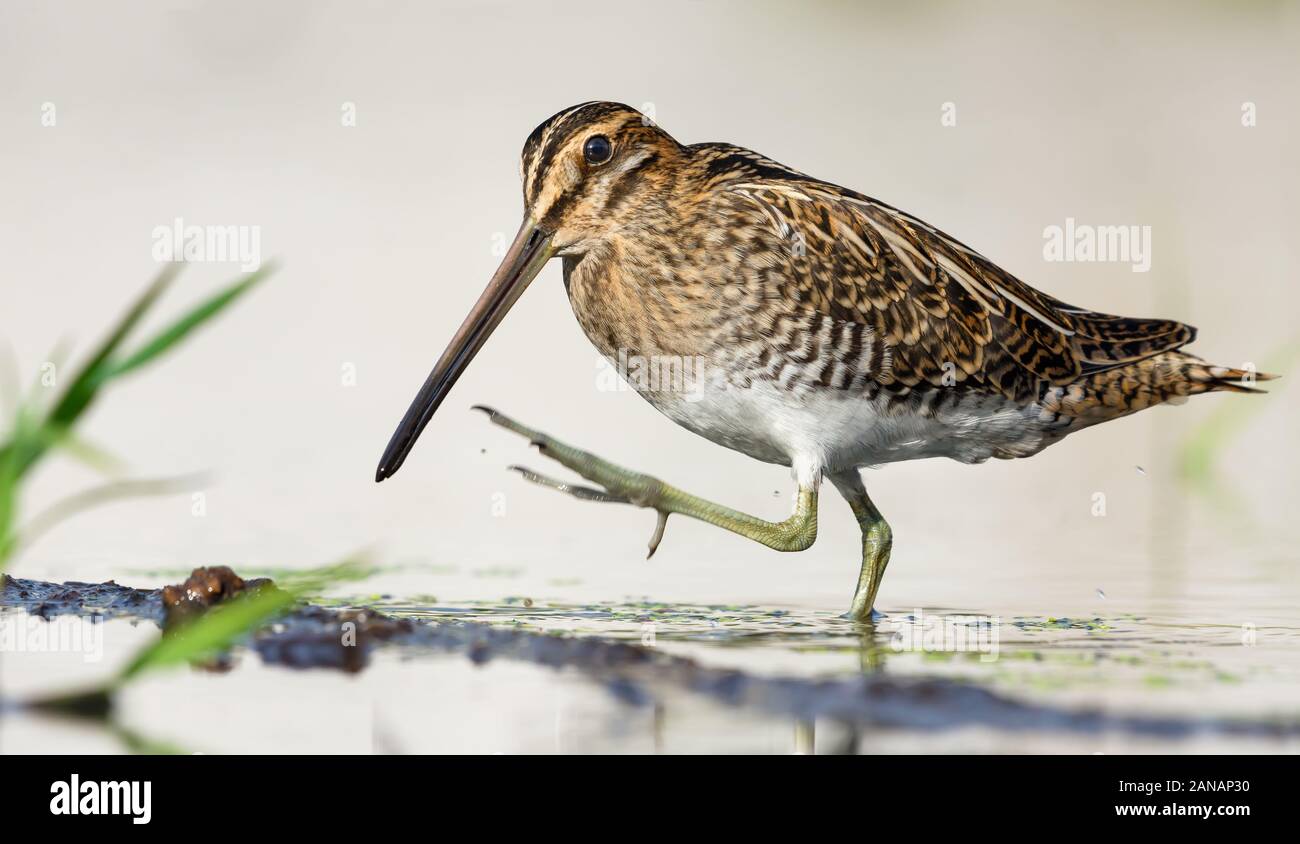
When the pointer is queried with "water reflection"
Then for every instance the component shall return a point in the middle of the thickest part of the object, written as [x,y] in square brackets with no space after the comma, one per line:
[1111,655]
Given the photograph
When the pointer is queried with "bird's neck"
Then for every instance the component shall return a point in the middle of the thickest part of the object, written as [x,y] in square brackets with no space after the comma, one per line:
[630,292]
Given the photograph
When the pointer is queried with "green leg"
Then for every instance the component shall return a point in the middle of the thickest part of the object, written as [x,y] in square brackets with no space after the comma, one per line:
[877,539]
[621,485]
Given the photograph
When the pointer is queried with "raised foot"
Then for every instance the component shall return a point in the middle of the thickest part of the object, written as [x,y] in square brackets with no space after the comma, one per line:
[617,485]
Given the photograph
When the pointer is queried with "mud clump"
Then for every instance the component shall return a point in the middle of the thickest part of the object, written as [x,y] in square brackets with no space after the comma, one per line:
[204,588]
[307,637]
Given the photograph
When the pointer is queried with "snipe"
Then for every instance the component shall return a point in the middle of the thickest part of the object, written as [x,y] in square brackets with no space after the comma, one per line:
[834,331]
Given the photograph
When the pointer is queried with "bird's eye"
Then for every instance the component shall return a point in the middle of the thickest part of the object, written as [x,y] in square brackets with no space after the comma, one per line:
[597,149]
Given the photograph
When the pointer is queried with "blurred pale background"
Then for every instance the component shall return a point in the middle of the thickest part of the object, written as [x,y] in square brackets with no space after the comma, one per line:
[229,113]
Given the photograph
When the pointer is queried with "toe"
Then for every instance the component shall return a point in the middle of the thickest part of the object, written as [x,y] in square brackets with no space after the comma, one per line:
[585,493]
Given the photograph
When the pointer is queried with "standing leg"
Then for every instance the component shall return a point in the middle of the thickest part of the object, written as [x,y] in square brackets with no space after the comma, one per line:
[877,539]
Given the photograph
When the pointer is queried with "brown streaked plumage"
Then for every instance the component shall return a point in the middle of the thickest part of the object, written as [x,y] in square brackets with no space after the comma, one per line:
[832,331]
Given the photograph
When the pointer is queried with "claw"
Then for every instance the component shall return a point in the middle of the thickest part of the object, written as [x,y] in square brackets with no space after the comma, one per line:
[496,417]
[658,535]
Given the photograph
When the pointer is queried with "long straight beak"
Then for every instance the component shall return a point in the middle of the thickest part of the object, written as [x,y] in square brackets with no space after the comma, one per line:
[525,258]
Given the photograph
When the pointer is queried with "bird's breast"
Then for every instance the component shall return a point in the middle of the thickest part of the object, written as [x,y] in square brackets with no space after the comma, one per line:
[641,303]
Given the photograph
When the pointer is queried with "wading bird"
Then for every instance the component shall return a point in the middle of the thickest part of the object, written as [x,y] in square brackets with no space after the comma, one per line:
[836,332]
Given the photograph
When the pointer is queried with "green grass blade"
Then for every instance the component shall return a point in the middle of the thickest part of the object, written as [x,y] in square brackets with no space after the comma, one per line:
[81,391]
[310,583]
[83,386]
[178,330]
[211,633]
[8,494]
[22,441]
[223,625]
[90,455]
[102,366]
[46,438]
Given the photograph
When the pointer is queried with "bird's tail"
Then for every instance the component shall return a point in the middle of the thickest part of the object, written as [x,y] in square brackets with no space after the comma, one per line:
[1166,377]
[1204,378]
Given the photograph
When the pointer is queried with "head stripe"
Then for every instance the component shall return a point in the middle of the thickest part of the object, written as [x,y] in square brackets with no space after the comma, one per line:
[547,139]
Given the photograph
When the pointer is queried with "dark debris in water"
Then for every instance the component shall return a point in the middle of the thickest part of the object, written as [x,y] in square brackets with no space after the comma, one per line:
[314,636]
[109,599]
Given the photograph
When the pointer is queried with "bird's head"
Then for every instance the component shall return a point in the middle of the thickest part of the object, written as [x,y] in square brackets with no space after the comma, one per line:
[590,173]
[595,170]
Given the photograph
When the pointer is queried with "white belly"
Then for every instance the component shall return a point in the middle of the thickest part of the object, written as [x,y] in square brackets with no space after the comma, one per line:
[831,430]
